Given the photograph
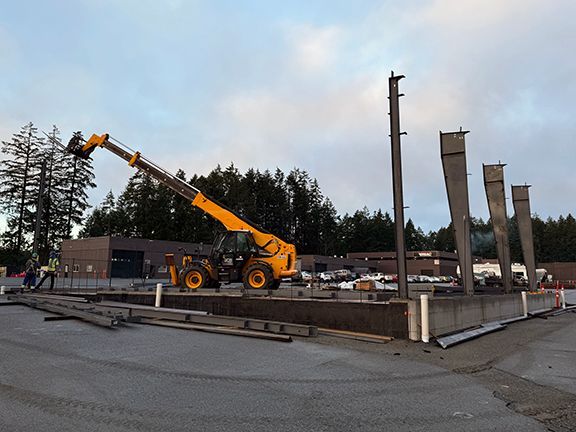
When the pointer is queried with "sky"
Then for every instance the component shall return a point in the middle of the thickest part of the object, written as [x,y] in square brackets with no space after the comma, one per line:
[266,84]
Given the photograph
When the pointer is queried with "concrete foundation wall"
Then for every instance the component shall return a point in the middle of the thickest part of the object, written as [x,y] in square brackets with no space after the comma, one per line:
[448,315]
[387,319]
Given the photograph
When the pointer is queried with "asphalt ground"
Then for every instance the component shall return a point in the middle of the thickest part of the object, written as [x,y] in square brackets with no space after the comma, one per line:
[70,375]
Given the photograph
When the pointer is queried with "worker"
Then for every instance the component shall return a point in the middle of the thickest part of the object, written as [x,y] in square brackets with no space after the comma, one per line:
[53,263]
[32,266]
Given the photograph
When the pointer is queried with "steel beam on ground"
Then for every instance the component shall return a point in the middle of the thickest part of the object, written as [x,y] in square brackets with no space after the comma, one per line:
[200,317]
[62,310]
[395,134]
[494,185]
[453,154]
[219,330]
[521,202]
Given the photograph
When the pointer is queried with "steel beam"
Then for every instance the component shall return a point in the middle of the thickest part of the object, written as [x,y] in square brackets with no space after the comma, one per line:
[521,201]
[453,153]
[397,184]
[198,317]
[219,330]
[494,185]
[80,314]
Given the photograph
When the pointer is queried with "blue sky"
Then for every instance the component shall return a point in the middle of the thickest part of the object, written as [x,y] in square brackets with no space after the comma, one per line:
[268,84]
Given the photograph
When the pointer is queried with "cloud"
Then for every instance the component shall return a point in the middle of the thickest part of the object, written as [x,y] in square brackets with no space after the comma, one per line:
[200,84]
[314,49]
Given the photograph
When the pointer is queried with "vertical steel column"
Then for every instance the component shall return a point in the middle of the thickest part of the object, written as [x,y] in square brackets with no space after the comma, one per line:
[494,185]
[397,183]
[521,201]
[453,153]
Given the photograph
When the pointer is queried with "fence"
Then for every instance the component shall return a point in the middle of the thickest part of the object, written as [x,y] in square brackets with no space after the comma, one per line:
[80,275]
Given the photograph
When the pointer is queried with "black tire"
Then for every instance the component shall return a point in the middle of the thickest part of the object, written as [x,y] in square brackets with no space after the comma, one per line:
[258,276]
[276,284]
[195,277]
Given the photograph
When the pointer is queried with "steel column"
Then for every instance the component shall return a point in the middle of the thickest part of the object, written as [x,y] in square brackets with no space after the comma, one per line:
[494,185]
[521,201]
[453,153]
[397,184]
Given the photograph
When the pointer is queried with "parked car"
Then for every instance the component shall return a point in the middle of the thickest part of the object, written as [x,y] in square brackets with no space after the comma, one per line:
[327,276]
[391,278]
[412,278]
[376,276]
[306,276]
[343,275]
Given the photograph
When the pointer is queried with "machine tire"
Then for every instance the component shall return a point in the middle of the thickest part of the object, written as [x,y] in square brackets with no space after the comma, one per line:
[195,277]
[258,276]
[276,284]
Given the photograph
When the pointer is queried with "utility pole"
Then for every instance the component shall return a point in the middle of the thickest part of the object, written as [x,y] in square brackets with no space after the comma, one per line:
[39,207]
[24,186]
[49,200]
[395,133]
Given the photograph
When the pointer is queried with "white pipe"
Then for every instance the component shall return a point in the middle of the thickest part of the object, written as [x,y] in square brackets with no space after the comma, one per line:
[425,324]
[563,298]
[524,304]
[158,295]
[2,290]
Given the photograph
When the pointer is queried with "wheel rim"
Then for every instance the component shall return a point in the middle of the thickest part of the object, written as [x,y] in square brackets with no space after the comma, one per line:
[257,279]
[193,279]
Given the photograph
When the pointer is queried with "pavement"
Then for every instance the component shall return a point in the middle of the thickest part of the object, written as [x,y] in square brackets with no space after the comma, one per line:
[70,375]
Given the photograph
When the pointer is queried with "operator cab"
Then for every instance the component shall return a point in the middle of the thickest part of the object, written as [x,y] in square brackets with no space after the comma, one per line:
[230,251]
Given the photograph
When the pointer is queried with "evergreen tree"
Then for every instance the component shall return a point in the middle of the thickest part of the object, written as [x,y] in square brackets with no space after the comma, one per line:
[107,219]
[79,173]
[20,184]
[415,237]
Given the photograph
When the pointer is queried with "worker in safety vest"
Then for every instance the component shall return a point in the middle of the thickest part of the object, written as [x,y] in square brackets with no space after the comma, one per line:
[53,263]
[32,266]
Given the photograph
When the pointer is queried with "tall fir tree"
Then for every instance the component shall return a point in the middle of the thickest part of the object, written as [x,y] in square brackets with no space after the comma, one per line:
[19,185]
[79,177]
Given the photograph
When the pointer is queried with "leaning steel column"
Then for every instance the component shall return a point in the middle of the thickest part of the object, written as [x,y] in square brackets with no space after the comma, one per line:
[397,184]
[521,201]
[453,152]
[494,185]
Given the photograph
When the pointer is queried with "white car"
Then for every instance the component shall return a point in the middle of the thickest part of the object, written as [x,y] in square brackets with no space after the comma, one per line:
[377,276]
[306,276]
[326,276]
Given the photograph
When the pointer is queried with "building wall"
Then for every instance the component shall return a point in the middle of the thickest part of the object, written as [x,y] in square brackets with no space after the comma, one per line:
[92,257]
[560,270]
[320,263]
[433,263]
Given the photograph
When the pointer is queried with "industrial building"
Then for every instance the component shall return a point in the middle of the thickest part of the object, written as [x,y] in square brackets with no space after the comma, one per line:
[105,257]
[429,263]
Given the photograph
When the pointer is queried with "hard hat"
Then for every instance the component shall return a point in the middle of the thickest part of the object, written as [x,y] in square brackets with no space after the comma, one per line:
[34,255]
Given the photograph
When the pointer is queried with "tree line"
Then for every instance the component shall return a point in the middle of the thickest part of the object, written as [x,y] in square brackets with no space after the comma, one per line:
[30,164]
[293,207]
[290,205]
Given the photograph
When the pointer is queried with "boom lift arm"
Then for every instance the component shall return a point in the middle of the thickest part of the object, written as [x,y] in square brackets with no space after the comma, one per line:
[274,258]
